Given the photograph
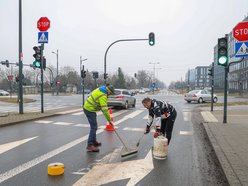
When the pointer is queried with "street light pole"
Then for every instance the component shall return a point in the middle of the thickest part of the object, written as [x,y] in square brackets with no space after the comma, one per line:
[57,77]
[154,69]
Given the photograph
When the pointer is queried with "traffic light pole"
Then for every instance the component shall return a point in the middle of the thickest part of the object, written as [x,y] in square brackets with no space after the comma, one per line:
[225,88]
[212,88]
[41,74]
[105,56]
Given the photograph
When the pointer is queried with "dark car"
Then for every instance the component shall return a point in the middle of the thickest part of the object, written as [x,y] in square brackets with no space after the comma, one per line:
[122,98]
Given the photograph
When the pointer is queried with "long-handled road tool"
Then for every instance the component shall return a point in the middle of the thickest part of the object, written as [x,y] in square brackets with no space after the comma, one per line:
[140,140]
[128,151]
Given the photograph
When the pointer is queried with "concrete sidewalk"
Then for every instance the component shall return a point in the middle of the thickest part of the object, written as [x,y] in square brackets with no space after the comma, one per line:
[230,142]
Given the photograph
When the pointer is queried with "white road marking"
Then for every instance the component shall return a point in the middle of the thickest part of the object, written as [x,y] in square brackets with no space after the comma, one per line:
[43,121]
[21,168]
[134,129]
[208,116]
[62,123]
[186,133]
[77,114]
[70,111]
[187,116]
[82,125]
[8,146]
[107,173]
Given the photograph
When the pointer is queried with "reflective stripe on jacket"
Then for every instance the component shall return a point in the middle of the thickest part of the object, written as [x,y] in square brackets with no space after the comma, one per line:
[97,101]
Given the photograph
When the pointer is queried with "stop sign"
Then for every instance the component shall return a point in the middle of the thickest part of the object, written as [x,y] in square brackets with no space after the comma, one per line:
[240,31]
[43,24]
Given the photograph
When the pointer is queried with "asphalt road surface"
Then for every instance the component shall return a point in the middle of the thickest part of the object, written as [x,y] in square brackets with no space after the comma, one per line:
[26,150]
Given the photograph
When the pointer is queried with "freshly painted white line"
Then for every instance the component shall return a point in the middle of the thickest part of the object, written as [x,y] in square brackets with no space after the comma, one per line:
[43,121]
[134,129]
[103,173]
[186,133]
[8,146]
[70,111]
[62,123]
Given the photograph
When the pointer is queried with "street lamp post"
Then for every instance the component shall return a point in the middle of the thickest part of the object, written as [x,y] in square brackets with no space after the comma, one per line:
[57,77]
[82,79]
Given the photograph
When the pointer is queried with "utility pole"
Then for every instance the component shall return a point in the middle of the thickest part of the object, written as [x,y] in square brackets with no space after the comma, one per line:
[57,77]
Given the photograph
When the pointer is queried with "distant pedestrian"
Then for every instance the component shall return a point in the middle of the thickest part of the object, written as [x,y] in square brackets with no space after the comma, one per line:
[97,100]
[164,115]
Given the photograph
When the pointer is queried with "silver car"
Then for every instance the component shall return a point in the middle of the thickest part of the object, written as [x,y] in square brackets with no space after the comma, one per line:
[4,93]
[200,96]
[122,98]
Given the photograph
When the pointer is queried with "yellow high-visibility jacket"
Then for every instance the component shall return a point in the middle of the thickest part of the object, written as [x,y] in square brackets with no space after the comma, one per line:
[97,101]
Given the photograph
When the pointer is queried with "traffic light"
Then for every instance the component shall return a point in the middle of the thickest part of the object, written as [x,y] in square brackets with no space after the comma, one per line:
[83,73]
[95,75]
[135,75]
[210,71]
[37,57]
[105,75]
[151,38]
[222,51]
[5,63]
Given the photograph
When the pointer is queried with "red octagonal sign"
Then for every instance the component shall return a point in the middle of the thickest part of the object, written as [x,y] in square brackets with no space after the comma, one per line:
[240,31]
[43,24]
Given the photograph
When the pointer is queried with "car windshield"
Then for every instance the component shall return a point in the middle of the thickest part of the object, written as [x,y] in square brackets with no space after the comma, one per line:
[117,92]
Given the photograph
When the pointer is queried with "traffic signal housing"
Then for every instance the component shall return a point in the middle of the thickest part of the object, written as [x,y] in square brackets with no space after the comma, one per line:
[95,75]
[105,75]
[37,56]
[83,73]
[222,58]
[151,38]
[210,71]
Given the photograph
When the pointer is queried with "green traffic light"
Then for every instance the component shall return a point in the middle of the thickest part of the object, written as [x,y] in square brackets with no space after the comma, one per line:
[36,64]
[151,38]
[222,60]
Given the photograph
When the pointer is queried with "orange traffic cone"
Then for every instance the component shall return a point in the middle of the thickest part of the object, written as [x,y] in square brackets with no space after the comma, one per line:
[108,126]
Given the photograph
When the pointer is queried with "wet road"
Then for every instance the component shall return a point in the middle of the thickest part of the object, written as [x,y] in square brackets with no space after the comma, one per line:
[190,161]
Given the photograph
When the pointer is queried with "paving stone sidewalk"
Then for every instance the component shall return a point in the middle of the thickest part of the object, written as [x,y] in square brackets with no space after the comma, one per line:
[230,142]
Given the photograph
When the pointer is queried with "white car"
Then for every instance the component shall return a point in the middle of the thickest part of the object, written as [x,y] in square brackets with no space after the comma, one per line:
[200,96]
[4,93]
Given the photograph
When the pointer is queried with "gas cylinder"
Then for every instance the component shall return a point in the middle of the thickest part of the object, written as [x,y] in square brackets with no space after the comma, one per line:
[160,147]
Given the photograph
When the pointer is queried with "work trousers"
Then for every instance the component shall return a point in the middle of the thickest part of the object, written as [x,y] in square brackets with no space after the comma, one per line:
[91,116]
[168,124]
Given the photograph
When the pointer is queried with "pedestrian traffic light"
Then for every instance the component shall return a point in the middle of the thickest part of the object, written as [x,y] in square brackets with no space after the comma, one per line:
[37,56]
[222,51]
[135,75]
[151,38]
[105,75]
[83,73]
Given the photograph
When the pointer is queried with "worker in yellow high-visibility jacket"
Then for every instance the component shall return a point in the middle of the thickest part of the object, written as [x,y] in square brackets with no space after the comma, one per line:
[97,100]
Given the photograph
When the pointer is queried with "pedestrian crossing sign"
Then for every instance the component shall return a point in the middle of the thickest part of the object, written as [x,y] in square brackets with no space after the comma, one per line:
[241,49]
[42,37]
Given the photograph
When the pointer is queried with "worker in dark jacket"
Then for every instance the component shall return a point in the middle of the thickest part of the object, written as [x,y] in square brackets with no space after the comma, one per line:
[163,114]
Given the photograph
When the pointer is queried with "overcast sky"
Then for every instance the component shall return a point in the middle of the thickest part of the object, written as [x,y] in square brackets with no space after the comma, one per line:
[185,32]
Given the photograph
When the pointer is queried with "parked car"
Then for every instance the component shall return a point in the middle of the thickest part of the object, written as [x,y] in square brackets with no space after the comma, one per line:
[200,96]
[4,93]
[122,98]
